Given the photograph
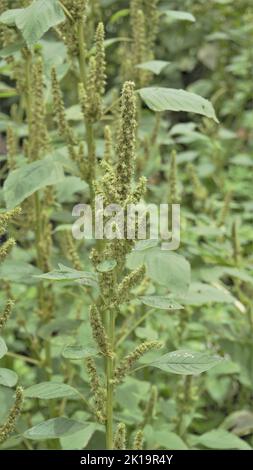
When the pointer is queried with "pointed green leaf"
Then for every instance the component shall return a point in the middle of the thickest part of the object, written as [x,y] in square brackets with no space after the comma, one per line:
[163,303]
[50,390]
[186,362]
[170,99]
[179,15]
[54,428]
[154,66]
[67,274]
[75,352]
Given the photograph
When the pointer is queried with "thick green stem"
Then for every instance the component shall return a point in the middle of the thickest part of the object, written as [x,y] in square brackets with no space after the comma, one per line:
[109,383]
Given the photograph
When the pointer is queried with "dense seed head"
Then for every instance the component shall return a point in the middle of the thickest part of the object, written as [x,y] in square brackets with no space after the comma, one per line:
[9,425]
[100,59]
[126,141]
[125,366]
[6,313]
[98,331]
[138,440]
[119,442]
[59,110]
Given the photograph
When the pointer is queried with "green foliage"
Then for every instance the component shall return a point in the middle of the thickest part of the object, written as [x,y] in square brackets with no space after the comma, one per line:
[35,20]
[167,99]
[121,343]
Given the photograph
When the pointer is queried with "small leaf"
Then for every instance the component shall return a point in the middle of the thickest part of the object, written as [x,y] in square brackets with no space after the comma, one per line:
[179,15]
[75,352]
[28,179]
[106,266]
[186,362]
[8,378]
[49,390]
[220,439]
[154,66]
[170,99]
[54,428]
[163,303]
[3,348]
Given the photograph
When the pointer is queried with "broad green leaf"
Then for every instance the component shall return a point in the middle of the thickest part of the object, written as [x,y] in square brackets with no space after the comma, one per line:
[35,20]
[160,302]
[64,327]
[9,50]
[9,16]
[8,377]
[186,362]
[28,179]
[18,272]
[83,277]
[163,438]
[164,267]
[200,294]
[106,266]
[75,351]
[50,390]
[170,99]
[154,66]
[79,440]
[222,440]
[3,347]
[179,15]
[54,428]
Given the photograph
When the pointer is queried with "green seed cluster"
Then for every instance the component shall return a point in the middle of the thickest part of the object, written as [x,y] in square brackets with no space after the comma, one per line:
[9,426]
[97,389]
[6,313]
[119,442]
[138,440]
[127,363]
[98,331]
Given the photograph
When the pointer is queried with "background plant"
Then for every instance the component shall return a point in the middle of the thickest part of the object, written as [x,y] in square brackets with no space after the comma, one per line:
[65,121]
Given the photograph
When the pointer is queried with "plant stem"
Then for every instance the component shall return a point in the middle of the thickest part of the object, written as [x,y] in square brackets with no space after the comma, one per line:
[66,11]
[88,125]
[82,54]
[91,156]
[23,358]
[109,384]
